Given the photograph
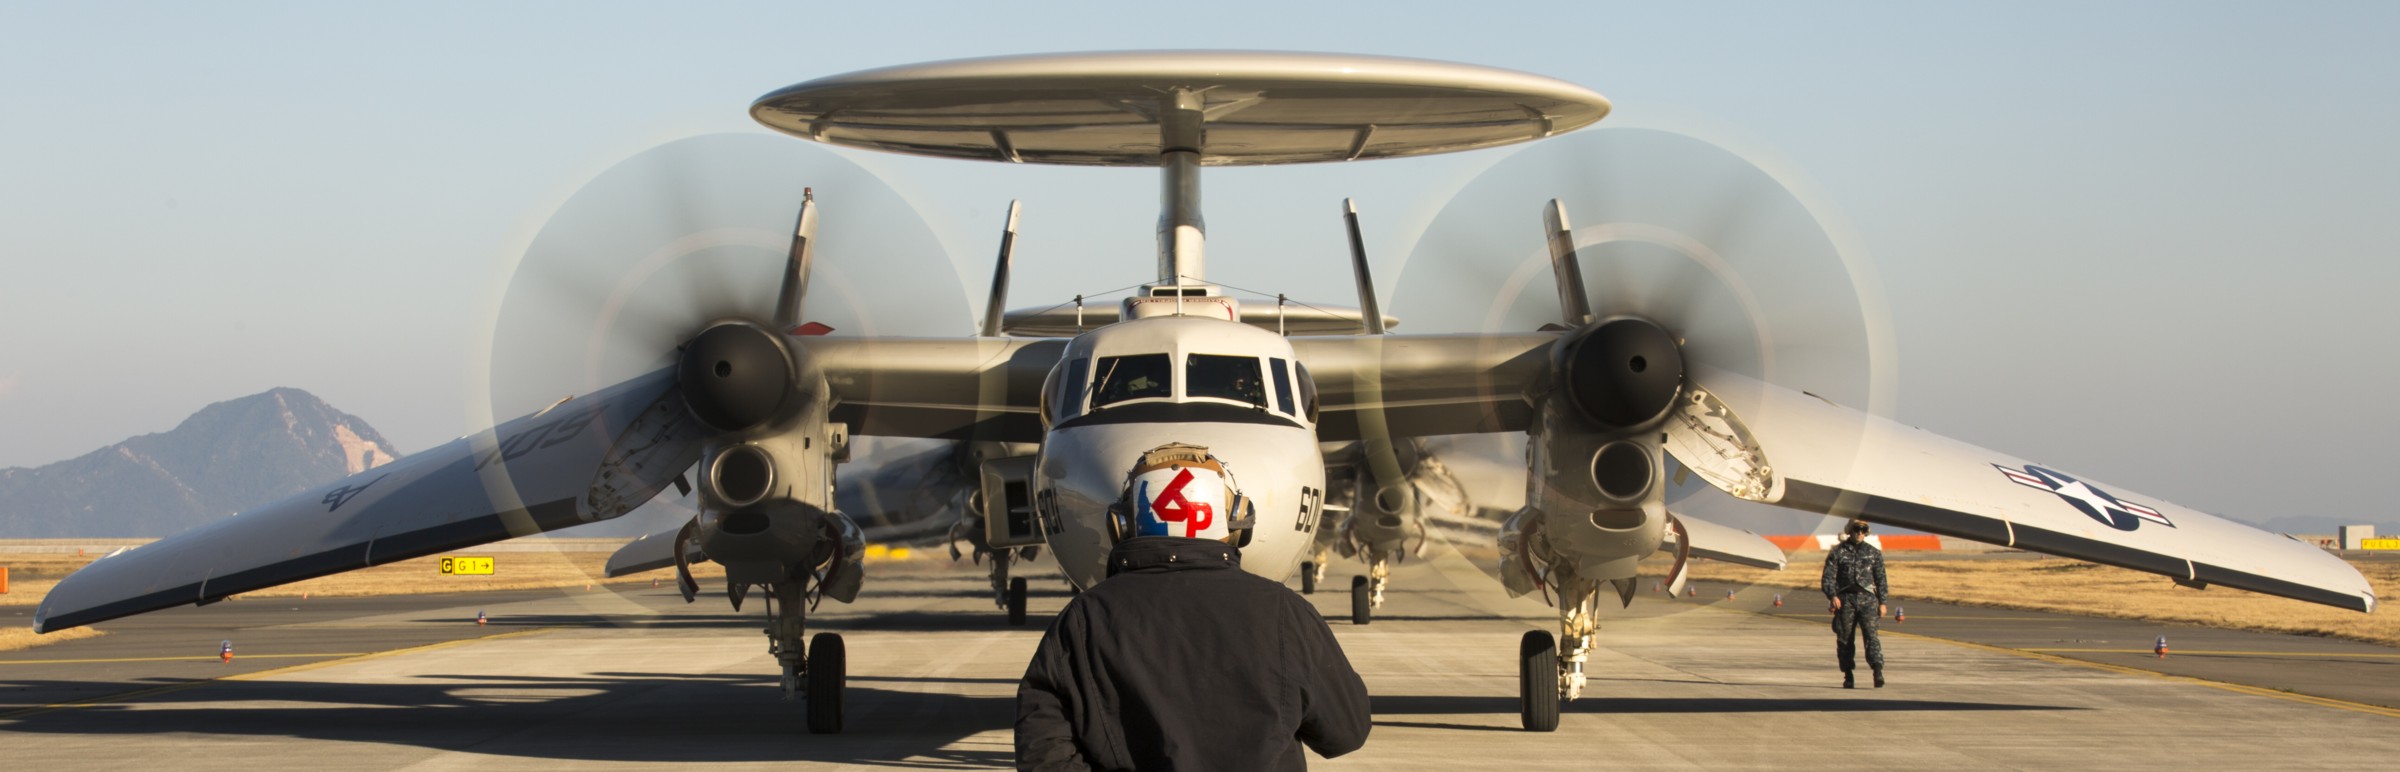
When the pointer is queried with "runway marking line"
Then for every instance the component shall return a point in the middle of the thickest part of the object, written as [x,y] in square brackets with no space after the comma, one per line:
[1827,615]
[258,674]
[2305,699]
[334,655]
[2261,691]
[2201,652]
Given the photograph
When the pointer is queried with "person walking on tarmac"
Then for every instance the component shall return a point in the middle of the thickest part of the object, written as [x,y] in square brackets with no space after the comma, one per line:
[1854,583]
[1179,659]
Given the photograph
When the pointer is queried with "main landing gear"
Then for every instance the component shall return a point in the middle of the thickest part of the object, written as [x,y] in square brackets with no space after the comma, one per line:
[1362,601]
[1537,681]
[816,671]
[1549,673]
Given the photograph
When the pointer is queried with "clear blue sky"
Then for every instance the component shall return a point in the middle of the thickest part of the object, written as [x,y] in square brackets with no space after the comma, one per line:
[2154,243]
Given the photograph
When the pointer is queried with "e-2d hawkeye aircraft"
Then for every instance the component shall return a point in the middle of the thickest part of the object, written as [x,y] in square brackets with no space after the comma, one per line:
[1187,404]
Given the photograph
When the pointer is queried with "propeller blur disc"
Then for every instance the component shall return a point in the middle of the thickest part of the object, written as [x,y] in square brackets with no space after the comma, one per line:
[1670,228]
[651,250]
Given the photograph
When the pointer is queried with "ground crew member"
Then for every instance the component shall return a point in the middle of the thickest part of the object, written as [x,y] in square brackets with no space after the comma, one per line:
[1854,583]
[1180,659]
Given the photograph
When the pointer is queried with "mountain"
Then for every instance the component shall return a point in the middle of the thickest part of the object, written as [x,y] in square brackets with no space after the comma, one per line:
[230,456]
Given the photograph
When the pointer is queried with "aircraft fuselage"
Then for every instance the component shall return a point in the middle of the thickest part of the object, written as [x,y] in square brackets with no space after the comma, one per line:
[1129,388]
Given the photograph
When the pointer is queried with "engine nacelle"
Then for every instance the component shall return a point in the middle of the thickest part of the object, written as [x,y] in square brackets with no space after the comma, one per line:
[1619,374]
[766,502]
[766,487]
[738,376]
[1596,471]
[1384,512]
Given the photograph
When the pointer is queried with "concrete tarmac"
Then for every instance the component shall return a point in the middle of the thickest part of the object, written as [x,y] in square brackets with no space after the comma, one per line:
[562,679]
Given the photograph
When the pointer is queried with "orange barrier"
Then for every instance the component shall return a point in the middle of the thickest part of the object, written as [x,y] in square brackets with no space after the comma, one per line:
[1909,542]
[3,580]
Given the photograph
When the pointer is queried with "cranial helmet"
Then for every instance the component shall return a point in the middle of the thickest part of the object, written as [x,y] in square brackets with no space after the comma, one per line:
[1181,490]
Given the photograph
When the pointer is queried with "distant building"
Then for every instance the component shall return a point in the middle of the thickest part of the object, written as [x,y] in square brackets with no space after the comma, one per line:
[2354,537]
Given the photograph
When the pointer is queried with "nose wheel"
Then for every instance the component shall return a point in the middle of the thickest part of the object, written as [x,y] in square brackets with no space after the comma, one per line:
[1016,601]
[1362,601]
[1308,578]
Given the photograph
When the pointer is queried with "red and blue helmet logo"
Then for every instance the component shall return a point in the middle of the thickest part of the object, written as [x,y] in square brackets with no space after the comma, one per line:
[1182,506]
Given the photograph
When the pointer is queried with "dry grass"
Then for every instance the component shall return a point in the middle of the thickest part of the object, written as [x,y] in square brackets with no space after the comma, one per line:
[31,574]
[2057,584]
[15,638]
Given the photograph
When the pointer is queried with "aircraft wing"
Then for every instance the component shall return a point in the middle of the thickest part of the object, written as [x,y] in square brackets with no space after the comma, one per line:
[941,388]
[1767,443]
[1420,385]
[900,492]
[588,458]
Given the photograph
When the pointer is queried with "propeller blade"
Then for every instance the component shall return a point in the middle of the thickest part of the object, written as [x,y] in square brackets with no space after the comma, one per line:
[585,459]
[995,310]
[1575,307]
[795,267]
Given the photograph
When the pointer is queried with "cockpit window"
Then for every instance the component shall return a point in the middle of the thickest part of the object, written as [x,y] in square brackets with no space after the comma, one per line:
[1067,400]
[1308,392]
[1132,377]
[1283,385]
[1225,377]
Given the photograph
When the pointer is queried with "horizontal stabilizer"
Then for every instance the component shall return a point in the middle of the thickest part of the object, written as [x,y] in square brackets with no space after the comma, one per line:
[1067,320]
[1726,543]
[652,552]
[582,460]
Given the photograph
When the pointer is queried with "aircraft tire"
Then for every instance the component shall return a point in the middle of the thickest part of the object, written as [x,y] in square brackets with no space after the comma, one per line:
[1362,601]
[1308,577]
[1537,681]
[826,662]
[1016,601]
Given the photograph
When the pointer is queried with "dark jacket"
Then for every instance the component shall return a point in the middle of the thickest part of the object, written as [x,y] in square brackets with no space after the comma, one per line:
[1181,660]
[1855,568]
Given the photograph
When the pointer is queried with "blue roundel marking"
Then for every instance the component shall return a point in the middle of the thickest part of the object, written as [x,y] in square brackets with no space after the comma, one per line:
[2092,502]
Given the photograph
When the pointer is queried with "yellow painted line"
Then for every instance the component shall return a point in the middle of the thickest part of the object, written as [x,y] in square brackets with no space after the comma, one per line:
[2172,651]
[255,675]
[236,655]
[2305,699]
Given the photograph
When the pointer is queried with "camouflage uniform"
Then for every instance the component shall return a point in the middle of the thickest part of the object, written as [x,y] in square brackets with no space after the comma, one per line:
[1854,573]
